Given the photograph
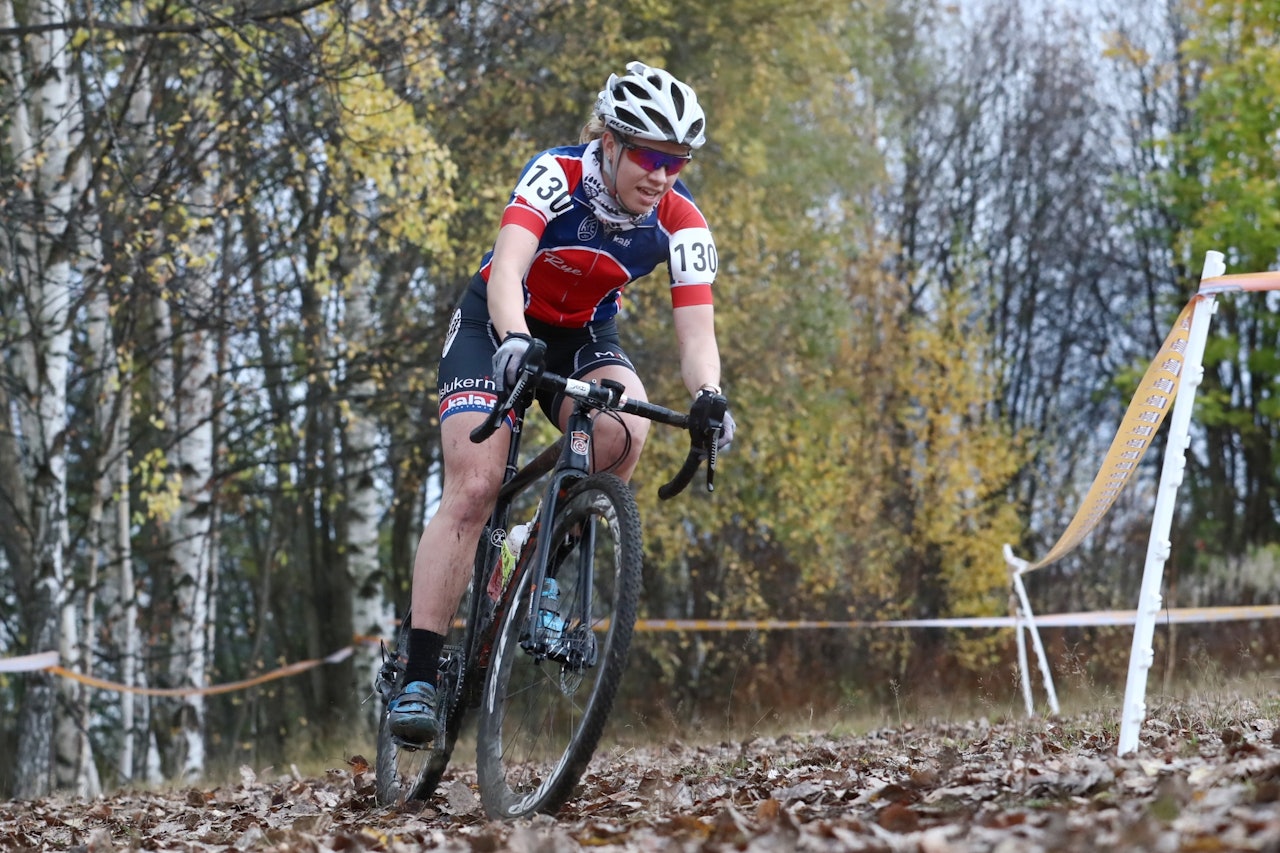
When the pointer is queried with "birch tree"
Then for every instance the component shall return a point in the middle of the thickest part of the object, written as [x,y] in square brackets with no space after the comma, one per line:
[107,534]
[185,388]
[46,175]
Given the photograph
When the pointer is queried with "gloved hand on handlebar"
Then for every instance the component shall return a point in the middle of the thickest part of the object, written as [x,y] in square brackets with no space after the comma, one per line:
[705,407]
[509,358]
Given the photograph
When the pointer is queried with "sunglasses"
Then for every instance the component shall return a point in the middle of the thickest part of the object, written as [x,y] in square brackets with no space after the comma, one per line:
[651,159]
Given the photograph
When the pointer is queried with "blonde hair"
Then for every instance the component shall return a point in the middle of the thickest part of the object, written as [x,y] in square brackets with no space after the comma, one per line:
[593,129]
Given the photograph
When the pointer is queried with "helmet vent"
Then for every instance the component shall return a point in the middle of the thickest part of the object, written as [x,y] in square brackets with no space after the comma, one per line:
[629,118]
[694,130]
[661,122]
[630,87]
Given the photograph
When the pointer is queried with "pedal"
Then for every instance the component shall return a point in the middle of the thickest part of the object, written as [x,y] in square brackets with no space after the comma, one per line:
[412,747]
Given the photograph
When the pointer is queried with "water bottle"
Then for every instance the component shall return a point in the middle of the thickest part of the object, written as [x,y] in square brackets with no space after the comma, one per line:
[549,616]
[507,556]
[511,549]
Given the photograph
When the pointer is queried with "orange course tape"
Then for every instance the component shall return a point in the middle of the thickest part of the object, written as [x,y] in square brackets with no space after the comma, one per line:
[214,689]
[1179,615]
[1151,402]
[1249,281]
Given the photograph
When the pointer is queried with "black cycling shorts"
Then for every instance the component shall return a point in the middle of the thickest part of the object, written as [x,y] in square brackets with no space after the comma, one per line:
[466,382]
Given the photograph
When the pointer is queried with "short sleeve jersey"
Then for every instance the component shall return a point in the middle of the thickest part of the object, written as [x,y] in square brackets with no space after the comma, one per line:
[581,267]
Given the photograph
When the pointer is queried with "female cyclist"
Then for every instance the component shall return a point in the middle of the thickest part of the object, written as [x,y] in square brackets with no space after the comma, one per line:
[582,223]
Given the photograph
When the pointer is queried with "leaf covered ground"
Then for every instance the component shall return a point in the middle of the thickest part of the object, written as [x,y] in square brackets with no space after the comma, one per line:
[1206,778]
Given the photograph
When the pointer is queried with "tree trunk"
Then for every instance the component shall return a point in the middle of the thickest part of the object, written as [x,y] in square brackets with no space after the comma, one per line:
[109,550]
[372,613]
[46,121]
[188,375]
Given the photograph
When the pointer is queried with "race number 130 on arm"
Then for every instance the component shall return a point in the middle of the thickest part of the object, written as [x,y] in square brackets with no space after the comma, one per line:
[693,256]
[546,187]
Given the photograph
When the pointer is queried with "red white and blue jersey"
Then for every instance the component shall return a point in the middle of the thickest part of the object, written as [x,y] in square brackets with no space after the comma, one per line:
[581,266]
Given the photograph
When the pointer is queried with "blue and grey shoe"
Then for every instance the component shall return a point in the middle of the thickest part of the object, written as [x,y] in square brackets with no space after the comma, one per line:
[412,714]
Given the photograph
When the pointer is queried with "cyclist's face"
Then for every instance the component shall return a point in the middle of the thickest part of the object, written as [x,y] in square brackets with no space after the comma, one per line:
[637,187]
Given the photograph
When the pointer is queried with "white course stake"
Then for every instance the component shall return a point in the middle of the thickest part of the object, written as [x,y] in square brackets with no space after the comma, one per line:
[1142,654]
[1025,620]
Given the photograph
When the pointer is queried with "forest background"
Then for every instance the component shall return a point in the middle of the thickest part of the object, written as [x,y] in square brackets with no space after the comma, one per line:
[951,238]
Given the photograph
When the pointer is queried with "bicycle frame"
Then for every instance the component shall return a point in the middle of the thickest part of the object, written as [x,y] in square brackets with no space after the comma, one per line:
[572,464]
[465,668]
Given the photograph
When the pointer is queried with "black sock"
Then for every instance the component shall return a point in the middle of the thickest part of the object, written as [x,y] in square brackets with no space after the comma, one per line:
[424,656]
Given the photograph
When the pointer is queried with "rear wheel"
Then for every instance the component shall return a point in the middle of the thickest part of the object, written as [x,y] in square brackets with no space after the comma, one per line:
[546,700]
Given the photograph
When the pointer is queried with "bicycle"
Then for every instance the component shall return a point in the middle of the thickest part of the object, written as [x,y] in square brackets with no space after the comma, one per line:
[542,670]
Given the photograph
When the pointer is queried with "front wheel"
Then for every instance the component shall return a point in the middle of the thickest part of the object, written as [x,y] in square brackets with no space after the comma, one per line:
[546,700]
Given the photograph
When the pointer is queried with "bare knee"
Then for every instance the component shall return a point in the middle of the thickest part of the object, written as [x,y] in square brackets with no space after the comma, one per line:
[472,475]
[467,499]
[618,445]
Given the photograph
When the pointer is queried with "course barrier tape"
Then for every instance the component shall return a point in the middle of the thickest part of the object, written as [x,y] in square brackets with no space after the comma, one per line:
[1088,618]
[1252,282]
[49,661]
[1147,410]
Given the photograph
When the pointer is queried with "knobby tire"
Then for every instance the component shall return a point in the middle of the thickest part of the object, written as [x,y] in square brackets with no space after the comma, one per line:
[541,719]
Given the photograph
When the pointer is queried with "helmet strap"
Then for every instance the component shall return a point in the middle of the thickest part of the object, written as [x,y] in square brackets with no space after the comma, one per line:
[611,176]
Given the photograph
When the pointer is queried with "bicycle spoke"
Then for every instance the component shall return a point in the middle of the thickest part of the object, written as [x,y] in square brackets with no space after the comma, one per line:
[549,694]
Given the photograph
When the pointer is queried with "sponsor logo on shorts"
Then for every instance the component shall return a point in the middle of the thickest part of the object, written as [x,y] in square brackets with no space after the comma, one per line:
[467,383]
[600,357]
[467,401]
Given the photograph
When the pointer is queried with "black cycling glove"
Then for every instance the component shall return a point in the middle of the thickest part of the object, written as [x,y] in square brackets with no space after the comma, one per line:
[711,410]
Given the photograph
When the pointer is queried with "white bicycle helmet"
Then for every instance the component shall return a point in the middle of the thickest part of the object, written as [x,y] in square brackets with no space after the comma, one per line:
[648,103]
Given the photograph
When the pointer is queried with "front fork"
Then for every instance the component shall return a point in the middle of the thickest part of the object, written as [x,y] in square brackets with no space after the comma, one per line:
[575,644]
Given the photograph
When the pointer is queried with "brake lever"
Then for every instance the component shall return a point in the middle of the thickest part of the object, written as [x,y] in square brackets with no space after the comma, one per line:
[713,453]
[530,372]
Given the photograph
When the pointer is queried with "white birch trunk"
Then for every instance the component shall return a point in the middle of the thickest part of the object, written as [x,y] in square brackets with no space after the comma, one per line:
[109,549]
[43,136]
[127,625]
[372,614]
[191,547]
[190,537]
[134,709]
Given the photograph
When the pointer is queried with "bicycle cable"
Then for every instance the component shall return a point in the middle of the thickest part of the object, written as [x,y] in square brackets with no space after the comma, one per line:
[626,444]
